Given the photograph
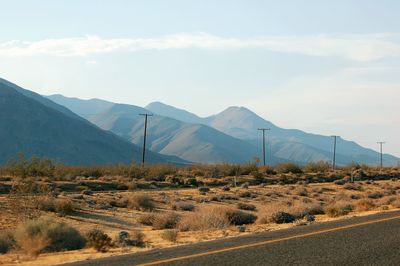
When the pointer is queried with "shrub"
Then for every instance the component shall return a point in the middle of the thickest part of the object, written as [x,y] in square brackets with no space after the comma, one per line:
[245,194]
[165,220]
[99,240]
[141,202]
[285,168]
[340,182]
[183,206]
[204,219]
[376,195]
[7,241]
[46,204]
[147,219]
[135,239]
[46,235]
[282,217]
[365,205]
[119,203]
[315,167]
[237,217]
[64,206]
[246,207]
[169,235]
[336,210]
[204,189]
[61,206]
[352,186]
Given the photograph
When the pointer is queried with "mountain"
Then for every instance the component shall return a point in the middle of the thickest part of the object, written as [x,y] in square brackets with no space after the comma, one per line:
[293,144]
[286,144]
[84,108]
[40,99]
[192,142]
[173,112]
[34,125]
[241,123]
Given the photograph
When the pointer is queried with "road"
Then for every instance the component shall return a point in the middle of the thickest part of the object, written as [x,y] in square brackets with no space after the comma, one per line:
[367,240]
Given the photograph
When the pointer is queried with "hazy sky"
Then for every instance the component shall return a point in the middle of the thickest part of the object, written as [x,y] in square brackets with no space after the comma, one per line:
[330,67]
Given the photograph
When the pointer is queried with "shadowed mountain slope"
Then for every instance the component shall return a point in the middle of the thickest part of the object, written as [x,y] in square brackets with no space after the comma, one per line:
[36,126]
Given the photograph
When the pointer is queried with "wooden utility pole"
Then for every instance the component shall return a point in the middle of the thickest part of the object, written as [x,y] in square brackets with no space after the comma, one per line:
[263,142]
[334,152]
[381,145]
[145,136]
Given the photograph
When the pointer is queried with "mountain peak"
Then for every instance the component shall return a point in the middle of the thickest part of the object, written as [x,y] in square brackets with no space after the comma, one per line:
[173,112]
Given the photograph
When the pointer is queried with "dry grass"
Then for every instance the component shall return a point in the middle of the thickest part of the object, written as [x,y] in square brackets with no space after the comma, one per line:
[197,217]
[183,206]
[207,218]
[141,202]
[338,209]
[45,235]
[365,205]
[170,235]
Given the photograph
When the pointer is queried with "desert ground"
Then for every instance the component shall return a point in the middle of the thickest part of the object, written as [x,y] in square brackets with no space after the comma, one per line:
[134,215]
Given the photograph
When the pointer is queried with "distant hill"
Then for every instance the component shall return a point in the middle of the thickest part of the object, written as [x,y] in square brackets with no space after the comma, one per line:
[286,144]
[84,108]
[193,142]
[173,112]
[37,126]
[241,124]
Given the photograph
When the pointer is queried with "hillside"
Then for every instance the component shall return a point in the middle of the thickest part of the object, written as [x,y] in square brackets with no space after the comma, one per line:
[237,122]
[193,142]
[286,144]
[36,126]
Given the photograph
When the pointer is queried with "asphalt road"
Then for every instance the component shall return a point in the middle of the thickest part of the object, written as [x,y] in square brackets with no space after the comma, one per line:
[368,240]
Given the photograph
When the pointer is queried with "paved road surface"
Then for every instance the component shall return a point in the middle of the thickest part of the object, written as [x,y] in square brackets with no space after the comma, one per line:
[369,240]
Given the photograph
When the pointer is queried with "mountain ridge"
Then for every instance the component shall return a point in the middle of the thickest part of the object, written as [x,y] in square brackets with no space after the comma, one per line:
[283,144]
[36,126]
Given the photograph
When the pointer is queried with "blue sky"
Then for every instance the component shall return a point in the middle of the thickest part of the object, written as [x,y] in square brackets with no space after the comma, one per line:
[329,67]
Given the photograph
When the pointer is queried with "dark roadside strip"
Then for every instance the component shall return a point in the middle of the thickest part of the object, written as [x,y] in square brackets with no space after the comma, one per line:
[159,256]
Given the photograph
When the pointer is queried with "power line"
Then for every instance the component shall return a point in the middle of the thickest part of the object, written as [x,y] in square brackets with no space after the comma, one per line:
[145,135]
[263,142]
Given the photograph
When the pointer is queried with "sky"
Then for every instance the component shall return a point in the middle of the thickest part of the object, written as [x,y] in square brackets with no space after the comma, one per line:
[327,67]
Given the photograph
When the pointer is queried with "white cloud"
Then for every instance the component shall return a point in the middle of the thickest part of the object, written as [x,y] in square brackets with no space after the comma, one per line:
[365,47]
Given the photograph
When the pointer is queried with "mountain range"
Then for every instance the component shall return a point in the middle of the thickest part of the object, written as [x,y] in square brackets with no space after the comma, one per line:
[229,136]
[34,125]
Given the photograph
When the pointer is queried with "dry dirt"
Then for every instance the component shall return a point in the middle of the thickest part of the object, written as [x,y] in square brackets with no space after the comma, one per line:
[95,211]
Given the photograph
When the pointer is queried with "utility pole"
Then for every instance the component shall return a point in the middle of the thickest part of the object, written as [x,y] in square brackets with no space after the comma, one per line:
[145,135]
[334,152]
[381,144]
[263,142]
